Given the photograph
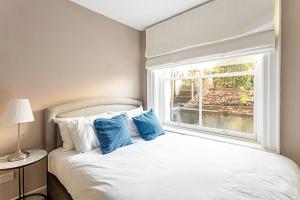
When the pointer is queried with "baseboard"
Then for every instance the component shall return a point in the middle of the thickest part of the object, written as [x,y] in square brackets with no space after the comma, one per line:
[42,190]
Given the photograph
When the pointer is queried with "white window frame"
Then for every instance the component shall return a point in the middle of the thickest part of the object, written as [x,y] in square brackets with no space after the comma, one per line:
[267,114]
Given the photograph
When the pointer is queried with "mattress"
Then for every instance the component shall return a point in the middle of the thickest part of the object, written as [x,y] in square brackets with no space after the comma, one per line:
[177,167]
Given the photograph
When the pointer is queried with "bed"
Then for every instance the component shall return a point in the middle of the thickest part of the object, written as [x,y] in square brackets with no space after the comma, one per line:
[170,167]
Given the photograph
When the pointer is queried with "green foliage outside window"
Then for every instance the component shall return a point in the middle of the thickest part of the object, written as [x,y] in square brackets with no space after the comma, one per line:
[246,82]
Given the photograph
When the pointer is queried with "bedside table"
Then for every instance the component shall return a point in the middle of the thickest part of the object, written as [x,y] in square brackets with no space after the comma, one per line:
[34,156]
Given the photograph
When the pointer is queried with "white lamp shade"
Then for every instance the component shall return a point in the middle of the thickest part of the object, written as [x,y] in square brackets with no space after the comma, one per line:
[19,111]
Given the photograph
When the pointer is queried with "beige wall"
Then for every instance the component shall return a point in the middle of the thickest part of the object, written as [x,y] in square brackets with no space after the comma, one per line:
[53,51]
[290,83]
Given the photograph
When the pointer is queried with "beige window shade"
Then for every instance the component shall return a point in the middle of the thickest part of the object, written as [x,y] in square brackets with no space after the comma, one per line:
[218,27]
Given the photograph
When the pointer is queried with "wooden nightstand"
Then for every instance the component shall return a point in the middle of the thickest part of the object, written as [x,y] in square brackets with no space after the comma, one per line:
[34,156]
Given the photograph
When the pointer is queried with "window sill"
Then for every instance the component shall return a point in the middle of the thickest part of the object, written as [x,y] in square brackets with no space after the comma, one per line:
[209,136]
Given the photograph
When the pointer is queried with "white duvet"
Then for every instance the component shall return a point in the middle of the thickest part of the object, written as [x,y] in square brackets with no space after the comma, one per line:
[177,167]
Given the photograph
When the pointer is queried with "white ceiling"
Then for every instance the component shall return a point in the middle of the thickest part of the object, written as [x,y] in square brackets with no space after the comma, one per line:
[139,14]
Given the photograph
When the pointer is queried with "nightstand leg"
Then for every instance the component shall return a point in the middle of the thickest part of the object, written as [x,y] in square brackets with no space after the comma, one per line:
[19,183]
[23,180]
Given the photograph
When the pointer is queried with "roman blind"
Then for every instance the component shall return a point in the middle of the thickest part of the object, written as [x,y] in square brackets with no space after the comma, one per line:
[214,28]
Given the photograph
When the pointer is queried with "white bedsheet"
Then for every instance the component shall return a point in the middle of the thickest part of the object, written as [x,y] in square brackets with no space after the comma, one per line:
[177,167]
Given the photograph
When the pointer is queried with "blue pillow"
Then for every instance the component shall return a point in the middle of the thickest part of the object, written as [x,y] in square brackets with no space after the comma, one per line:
[148,125]
[112,133]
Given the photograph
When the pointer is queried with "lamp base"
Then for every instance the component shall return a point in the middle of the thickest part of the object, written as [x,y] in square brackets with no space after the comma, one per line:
[19,155]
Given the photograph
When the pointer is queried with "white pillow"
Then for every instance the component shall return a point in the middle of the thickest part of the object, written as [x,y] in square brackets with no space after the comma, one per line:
[128,116]
[83,135]
[63,124]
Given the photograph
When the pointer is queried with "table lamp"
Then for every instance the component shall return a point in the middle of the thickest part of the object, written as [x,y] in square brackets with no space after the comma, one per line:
[18,111]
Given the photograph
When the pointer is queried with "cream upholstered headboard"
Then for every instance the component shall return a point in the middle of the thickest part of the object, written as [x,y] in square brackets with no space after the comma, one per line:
[86,107]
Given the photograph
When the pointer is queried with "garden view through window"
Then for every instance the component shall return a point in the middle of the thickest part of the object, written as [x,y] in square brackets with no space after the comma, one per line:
[215,95]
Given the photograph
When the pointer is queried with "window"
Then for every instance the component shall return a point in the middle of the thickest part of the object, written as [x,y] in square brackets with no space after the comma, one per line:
[223,97]
[217,96]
